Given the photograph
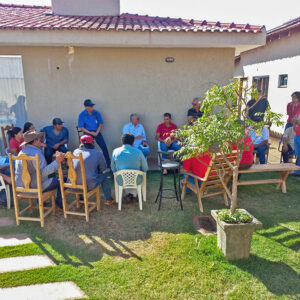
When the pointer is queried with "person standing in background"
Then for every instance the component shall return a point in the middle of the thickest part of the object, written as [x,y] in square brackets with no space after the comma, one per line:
[257,108]
[90,122]
[293,109]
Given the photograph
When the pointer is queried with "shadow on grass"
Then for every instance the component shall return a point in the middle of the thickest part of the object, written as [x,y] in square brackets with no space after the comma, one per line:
[285,236]
[278,277]
[79,257]
[121,234]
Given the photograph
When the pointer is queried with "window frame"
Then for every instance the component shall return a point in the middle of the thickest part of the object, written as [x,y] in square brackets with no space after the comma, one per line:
[279,79]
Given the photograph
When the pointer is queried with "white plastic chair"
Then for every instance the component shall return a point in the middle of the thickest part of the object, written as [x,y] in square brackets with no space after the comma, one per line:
[159,150]
[129,178]
[4,186]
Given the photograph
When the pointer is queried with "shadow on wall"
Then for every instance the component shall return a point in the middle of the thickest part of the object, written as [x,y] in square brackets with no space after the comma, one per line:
[16,114]
[20,112]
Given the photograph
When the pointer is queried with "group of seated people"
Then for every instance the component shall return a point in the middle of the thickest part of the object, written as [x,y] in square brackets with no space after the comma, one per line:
[131,155]
[97,163]
[291,136]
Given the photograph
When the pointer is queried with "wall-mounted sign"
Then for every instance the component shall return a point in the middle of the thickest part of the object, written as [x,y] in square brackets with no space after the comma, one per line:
[170,59]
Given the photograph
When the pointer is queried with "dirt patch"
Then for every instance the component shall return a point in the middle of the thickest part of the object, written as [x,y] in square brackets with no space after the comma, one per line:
[6,221]
[205,224]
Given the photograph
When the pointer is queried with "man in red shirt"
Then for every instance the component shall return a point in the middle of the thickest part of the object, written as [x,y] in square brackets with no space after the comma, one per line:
[163,134]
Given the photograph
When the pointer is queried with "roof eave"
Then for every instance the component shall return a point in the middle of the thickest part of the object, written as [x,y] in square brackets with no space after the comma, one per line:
[155,39]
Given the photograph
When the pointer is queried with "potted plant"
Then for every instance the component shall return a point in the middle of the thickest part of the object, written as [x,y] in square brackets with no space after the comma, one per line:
[224,124]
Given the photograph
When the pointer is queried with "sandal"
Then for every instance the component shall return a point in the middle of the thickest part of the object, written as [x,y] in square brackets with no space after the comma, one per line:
[109,202]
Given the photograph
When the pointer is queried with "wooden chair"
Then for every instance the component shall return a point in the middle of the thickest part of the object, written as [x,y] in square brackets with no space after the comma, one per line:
[4,136]
[212,184]
[29,193]
[71,187]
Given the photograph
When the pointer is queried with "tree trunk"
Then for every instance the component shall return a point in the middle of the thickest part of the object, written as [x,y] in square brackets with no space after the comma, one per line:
[234,189]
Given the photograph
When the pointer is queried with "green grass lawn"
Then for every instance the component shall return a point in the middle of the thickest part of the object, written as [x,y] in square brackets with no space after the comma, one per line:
[148,254]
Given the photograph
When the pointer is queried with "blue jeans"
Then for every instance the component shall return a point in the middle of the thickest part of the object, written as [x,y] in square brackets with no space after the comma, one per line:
[104,181]
[297,151]
[163,147]
[145,150]
[49,151]
[193,181]
[54,185]
[261,154]
[100,141]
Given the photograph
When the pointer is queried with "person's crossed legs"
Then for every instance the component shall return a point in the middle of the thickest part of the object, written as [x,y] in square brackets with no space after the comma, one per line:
[261,154]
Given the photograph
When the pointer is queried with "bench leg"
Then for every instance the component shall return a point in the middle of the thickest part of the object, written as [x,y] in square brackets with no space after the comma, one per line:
[283,176]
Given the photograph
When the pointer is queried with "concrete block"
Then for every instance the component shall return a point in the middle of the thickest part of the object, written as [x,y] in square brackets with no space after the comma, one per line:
[20,263]
[14,239]
[45,291]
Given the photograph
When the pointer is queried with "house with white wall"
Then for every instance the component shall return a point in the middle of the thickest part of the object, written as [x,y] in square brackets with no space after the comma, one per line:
[125,63]
[274,67]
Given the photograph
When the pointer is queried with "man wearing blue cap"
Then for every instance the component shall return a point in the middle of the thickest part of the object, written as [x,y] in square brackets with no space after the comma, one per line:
[90,122]
[56,138]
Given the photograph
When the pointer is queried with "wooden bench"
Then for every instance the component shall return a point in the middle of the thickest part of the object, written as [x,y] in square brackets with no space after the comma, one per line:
[212,184]
[283,169]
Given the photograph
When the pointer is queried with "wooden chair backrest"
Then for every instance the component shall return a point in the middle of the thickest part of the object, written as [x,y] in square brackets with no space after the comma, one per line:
[219,163]
[72,175]
[26,177]
[4,136]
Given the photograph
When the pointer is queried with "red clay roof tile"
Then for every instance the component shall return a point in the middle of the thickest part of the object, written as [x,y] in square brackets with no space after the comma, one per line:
[26,17]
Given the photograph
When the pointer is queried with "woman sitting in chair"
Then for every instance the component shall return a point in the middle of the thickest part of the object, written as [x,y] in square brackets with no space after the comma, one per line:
[15,136]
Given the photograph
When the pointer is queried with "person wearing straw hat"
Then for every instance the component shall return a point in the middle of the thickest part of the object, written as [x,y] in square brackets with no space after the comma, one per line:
[32,146]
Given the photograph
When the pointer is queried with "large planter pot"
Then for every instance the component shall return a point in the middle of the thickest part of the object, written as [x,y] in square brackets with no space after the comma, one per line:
[235,239]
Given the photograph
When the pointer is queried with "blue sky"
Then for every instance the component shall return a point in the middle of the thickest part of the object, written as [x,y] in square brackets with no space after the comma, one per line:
[257,12]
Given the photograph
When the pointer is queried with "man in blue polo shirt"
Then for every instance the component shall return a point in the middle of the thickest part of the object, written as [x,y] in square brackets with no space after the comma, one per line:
[56,136]
[90,122]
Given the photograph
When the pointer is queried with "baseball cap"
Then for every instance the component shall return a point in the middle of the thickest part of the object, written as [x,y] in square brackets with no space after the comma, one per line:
[31,135]
[86,139]
[57,121]
[88,102]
